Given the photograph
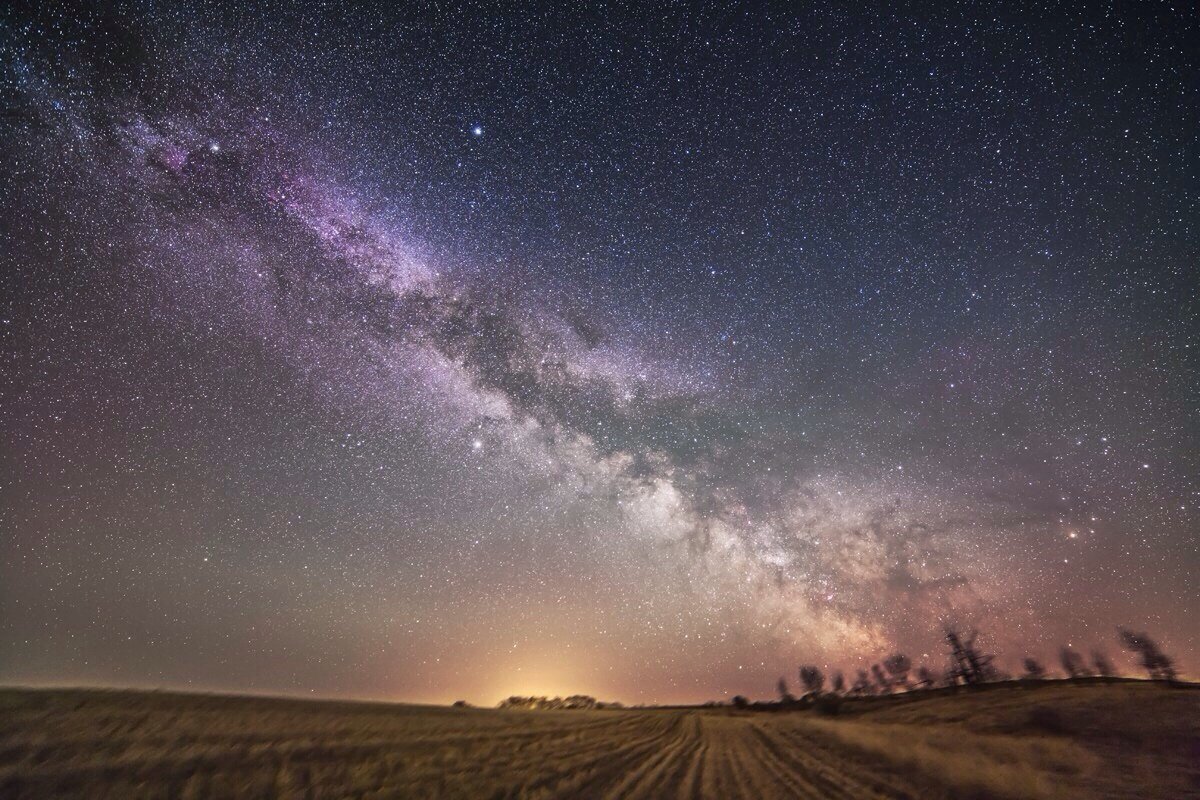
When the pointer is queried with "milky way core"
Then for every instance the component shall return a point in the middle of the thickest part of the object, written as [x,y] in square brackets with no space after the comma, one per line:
[462,352]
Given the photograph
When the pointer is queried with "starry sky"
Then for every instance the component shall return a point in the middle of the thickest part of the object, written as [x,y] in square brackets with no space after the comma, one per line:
[457,351]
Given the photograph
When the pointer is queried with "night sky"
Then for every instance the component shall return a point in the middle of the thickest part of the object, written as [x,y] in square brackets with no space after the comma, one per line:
[449,352]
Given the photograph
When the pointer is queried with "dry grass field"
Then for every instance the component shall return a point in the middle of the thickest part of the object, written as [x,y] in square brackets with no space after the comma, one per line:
[1053,740]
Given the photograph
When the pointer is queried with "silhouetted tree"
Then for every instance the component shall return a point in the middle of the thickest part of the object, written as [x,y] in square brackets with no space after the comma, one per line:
[839,683]
[862,684]
[813,679]
[1104,667]
[785,696]
[740,701]
[1158,665]
[1072,664]
[970,664]
[898,666]
[885,685]
[924,677]
[1034,669]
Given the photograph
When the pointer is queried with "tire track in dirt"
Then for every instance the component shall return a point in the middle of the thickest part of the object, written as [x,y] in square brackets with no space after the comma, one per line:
[654,772]
[839,772]
[607,761]
[759,769]
[799,781]
[718,765]
[811,776]
[737,757]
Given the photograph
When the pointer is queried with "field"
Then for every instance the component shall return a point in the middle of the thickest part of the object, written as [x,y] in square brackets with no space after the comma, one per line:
[1129,739]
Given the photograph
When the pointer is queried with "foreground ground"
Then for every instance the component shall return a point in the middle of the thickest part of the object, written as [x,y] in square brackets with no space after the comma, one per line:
[1117,740]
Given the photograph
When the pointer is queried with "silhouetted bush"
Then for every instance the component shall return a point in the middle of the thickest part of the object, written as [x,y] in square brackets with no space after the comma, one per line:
[1072,663]
[812,678]
[862,684]
[881,680]
[1158,665]
[898,667]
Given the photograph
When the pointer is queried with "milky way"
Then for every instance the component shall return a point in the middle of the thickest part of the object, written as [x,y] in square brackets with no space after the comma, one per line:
[460,353]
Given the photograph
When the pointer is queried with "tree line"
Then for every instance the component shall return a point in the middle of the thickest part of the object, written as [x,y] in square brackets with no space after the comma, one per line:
[573,703]
[969,665]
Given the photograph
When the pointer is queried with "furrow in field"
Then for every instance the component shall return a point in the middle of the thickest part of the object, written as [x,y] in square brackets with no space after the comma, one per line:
[674,779]
[690,778]
[601,763]
[720,779]
[811,778]
[60,769]
[646,778]
[757,760]
[839,771]
[769,760]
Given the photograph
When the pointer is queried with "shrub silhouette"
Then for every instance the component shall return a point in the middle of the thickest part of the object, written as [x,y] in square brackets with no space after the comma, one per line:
[1103,666]
[1158,665]
[1034,669]
[862,684]
[1073,664]
[881,679]
[813,679]
[898,667]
